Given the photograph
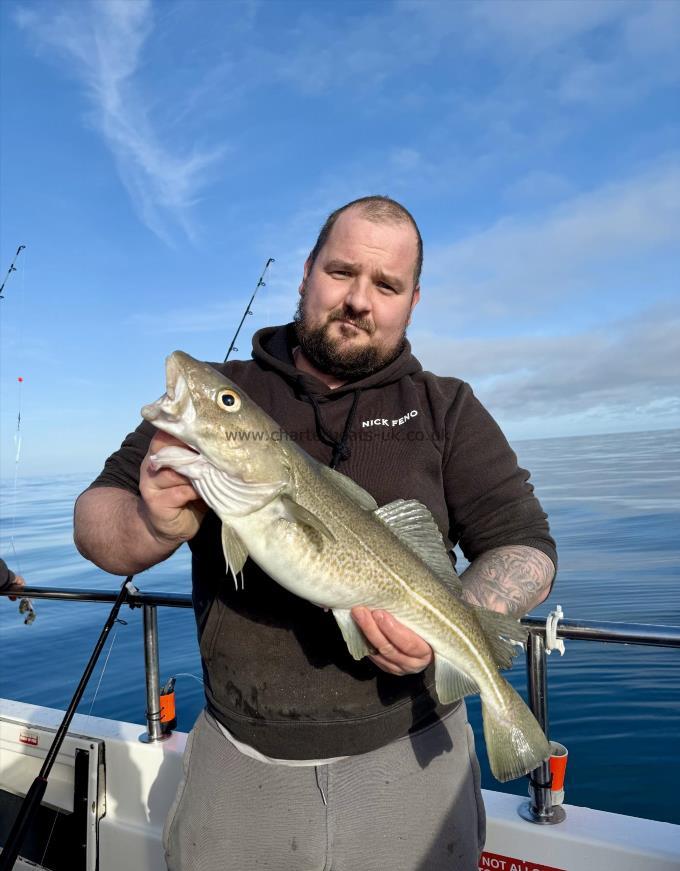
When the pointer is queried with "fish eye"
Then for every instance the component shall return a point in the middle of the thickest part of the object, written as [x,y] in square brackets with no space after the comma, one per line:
[229,399]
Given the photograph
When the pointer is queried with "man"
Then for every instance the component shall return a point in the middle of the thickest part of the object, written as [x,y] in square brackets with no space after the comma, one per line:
[305,758]
[9,579]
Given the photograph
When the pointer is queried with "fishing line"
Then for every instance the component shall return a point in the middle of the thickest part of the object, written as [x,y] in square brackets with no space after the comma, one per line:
[186,674]
[17,434]
[15,489]
[106,662]
[49,837]
[25,605]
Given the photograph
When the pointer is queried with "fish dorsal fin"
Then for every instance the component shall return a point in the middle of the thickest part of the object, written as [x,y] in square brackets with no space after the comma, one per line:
[235,553]
[503,634]
[413,524]
[349,488]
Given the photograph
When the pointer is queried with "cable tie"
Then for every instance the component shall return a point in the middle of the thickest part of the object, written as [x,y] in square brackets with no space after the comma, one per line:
[552,642]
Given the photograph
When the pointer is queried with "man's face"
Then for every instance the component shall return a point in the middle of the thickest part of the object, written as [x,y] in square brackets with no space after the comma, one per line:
[357,297]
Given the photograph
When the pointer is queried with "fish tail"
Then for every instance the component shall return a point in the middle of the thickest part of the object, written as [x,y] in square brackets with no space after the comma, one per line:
[515,743]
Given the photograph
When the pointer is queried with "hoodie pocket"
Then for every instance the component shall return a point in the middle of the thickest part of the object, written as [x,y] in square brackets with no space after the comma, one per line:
[477,784]
[211,630]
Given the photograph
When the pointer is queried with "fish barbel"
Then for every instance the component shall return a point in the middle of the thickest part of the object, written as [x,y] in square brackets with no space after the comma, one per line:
[321,536]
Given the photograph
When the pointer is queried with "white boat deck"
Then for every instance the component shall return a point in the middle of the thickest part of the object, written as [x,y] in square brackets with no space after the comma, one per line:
[132,785]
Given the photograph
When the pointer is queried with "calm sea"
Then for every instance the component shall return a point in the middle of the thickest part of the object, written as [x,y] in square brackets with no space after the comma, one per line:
[614,505]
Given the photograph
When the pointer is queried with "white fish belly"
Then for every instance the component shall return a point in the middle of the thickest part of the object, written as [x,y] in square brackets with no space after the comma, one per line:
[311,567]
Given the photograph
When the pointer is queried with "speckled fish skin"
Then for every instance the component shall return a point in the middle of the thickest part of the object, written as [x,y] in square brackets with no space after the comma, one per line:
[318,534]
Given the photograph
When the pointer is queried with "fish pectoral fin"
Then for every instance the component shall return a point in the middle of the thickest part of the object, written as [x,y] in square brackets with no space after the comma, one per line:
[451,683]
[297,514]
[354,637]
[235,553]
[415,526]
[503,635]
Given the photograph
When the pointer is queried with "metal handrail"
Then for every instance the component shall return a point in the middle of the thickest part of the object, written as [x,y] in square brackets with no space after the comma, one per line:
[75,594]
[538,810]
[651,634]
[656,635]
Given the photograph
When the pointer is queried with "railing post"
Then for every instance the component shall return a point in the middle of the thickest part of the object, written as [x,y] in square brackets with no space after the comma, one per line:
[153,686]
[539,809]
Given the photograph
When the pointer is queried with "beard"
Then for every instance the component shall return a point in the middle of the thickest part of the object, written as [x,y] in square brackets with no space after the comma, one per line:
[328,353]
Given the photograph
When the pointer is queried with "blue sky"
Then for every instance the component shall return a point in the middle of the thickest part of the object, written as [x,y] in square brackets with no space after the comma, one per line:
[154,155]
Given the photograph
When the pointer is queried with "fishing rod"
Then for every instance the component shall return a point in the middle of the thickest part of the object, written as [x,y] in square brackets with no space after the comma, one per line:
[11,269]
[247,312]
[34,796]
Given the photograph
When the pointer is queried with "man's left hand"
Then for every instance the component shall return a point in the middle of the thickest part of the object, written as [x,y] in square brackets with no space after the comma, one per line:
[398,649]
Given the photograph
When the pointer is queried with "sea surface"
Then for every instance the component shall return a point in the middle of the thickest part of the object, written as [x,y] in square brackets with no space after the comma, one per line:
[614,507]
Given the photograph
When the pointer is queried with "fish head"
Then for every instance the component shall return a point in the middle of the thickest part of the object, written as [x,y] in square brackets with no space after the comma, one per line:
[216,418]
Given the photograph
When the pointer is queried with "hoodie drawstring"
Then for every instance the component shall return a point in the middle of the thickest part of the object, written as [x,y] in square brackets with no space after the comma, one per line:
[341,447]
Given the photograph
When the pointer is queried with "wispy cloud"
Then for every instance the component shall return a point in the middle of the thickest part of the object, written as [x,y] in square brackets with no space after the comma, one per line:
[101,43]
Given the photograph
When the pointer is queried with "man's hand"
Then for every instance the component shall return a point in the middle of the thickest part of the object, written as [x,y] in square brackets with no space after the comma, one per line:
[398,649]
[125,533]
[17,582]
[172,509]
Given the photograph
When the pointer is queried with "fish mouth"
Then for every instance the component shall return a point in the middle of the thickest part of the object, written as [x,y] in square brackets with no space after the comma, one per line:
[171,406]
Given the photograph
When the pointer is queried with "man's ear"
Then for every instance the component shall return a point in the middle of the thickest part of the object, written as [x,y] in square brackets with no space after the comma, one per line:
[415,299]
[305,274]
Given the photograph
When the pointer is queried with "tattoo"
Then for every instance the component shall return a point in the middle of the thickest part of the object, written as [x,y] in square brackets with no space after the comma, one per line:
[511,579]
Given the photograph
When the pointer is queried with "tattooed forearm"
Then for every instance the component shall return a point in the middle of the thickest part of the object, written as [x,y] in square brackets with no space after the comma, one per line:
[512,579]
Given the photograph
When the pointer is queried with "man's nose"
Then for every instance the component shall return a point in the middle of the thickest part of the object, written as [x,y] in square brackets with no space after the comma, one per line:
[358,296]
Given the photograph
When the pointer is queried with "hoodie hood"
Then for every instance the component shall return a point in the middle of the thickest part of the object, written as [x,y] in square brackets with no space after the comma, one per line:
[273,346]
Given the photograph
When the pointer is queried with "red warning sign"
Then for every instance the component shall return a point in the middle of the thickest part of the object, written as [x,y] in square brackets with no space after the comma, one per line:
[496,862]
[28,738]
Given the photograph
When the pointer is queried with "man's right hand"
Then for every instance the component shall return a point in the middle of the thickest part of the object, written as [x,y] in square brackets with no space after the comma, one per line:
[172,509]
[124,532]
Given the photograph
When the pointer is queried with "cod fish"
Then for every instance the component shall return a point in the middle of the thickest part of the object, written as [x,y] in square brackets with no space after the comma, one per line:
[324,538]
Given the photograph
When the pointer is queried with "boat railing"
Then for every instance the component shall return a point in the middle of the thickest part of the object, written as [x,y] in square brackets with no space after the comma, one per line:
[539,809]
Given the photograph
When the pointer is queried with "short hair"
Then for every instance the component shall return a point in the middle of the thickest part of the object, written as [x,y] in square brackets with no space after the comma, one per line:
[380,210]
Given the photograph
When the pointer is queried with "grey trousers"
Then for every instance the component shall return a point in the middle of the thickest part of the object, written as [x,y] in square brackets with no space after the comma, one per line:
[414,805]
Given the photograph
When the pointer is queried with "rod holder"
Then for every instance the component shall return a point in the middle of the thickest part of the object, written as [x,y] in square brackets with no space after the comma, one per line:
[154,731]
[540,808]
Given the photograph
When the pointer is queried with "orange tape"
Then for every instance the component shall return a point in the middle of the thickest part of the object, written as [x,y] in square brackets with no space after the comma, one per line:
[558,765]
[168,708]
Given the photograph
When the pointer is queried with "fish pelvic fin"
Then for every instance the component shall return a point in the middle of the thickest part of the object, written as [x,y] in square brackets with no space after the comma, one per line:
[515,743]
[503,634]
[451,684]
[235,552]
[415,526]
[354,637]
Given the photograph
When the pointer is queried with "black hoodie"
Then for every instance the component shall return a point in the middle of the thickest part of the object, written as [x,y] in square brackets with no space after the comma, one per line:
[277,672]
